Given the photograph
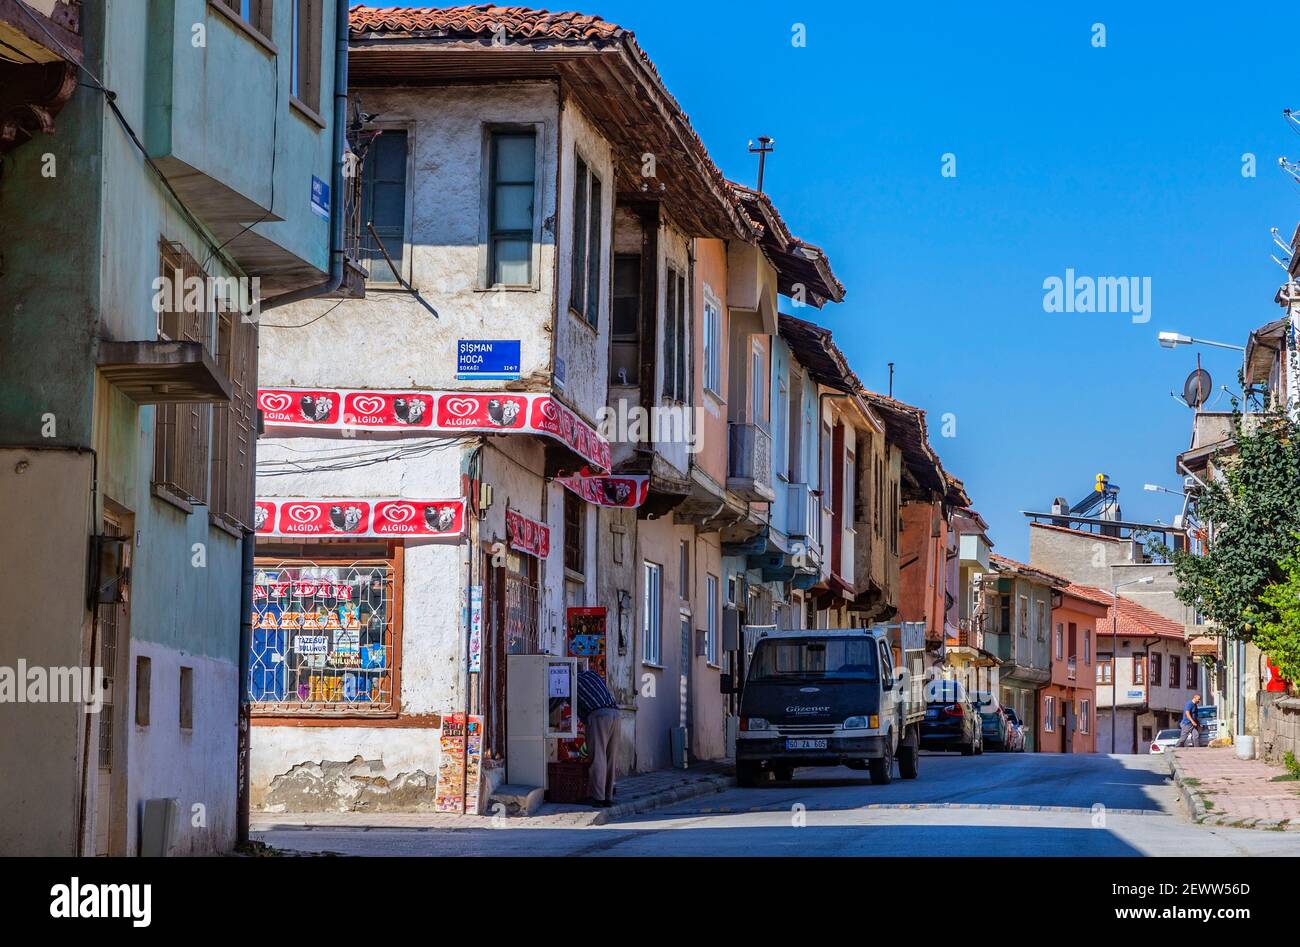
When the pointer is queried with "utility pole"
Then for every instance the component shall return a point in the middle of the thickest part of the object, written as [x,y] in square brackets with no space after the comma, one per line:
[891,379]
[765,147]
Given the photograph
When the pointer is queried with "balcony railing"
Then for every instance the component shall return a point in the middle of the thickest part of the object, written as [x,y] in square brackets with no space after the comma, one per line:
[970,634]
[749,471]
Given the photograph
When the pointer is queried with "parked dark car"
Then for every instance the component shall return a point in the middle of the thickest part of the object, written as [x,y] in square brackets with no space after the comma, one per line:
[1015,731]
[951,719]
[993,722]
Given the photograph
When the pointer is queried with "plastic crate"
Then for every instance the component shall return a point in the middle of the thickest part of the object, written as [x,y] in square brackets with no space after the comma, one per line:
[568,781]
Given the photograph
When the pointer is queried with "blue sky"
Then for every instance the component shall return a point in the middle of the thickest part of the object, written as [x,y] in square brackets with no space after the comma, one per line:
[1122,161]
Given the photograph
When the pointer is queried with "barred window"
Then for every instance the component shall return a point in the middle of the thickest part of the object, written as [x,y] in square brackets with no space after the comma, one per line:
[181,430]
[324,636]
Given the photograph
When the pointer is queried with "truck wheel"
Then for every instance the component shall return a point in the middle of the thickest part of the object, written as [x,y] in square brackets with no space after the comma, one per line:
[748,775]
[909,759]
[882,769]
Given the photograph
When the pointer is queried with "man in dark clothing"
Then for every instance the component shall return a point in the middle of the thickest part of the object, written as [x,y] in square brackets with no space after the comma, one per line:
[1190,725]
[598,712]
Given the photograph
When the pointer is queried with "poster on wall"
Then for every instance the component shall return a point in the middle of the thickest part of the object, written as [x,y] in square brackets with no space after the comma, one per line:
[473,762]
[437,412]
[527,535]
[449,793]
[586,636]
[476,629]
[627,492]
[354,517]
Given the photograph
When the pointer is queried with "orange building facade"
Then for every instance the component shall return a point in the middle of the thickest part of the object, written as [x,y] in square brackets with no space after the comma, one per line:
[1067,719]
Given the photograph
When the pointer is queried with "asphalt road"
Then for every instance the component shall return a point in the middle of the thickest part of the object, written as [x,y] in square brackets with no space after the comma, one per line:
[995,804]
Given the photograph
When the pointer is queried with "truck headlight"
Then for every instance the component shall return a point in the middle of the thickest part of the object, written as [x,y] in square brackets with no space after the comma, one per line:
[753,723]
[862,723]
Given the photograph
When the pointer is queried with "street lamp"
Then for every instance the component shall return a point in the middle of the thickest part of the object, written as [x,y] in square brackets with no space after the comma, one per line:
[1156,488]
[1171,340]
[1114,649]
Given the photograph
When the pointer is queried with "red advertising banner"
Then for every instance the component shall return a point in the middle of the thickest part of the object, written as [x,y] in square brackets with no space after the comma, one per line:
[358,518]
[527,535]
[629,491]
[445,412]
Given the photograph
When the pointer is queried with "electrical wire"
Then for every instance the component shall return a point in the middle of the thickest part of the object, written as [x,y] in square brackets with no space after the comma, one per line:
[273,325]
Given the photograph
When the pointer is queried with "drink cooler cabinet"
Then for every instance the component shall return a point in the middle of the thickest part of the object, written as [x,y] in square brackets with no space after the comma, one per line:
[541,705]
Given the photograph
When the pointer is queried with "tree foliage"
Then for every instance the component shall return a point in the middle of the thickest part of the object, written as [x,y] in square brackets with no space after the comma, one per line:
[1276,621]
[1254,513]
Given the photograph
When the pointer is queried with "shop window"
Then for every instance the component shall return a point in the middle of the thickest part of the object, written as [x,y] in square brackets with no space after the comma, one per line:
[1085,715]
[1049,714]
[325,636]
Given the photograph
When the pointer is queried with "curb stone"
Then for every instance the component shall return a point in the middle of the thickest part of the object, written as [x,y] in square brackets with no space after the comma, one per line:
[1201,815]
[677,794]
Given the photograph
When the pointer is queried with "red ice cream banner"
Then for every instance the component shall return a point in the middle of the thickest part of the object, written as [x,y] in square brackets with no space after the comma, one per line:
[390,517]
[621,491]
[527,535]
[437,412]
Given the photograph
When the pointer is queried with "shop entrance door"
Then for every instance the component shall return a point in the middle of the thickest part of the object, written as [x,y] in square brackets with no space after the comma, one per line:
[512,596]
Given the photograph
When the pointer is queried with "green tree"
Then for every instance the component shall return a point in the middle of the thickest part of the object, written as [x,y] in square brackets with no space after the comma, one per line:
[1254,514]
[1276,622]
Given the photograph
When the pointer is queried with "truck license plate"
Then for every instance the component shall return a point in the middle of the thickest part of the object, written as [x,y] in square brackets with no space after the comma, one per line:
[805,744]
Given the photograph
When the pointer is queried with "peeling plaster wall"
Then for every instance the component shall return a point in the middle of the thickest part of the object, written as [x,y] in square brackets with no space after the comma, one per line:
[389,340]
[433,638]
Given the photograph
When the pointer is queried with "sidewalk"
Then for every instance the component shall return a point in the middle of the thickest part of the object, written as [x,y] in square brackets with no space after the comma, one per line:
[1220,789]
[634,794]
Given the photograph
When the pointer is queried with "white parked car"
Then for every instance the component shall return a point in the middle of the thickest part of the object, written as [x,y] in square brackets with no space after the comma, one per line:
[1165,740]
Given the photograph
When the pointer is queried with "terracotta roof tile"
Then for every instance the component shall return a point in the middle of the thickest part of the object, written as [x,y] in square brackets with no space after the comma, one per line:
[1012,565]
[1133,620]
[483,20]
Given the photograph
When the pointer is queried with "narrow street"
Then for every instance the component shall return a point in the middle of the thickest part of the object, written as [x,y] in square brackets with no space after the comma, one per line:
[991,805]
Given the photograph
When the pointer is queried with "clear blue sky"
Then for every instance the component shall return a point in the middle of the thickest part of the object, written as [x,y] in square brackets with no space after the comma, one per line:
[1122,161]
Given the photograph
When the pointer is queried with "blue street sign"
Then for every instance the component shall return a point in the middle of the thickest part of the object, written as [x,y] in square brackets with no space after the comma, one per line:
[320,197]
[488,358]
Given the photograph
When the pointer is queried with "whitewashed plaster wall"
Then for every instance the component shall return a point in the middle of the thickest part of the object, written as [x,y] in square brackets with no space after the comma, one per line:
[389,340]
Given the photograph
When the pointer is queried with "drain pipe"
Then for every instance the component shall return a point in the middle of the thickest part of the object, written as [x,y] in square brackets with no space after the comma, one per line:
[335,279]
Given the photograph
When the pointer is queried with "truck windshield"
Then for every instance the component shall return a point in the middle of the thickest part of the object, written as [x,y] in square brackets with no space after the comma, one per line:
[814,659]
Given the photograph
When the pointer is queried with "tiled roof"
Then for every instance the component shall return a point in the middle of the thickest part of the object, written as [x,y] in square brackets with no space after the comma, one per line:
[1004,564]
[1133,620]
[619,86]
[905,428]
[483,19]
[796,261]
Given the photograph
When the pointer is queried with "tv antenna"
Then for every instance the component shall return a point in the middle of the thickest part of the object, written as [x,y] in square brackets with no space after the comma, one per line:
[765,147]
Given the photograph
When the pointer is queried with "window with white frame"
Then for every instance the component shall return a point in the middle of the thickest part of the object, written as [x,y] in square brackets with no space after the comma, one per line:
[757,388]
[1060,641]
[1085,715]
[651,617]
[712,344]
[511,207]
[1049,714]
[711,632]
[587,245]
[780,442]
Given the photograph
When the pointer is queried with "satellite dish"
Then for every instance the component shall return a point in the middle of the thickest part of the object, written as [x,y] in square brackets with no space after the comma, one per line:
[1197,388]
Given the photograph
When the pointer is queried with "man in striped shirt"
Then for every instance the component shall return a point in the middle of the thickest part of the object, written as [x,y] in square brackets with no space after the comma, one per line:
[598,712]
